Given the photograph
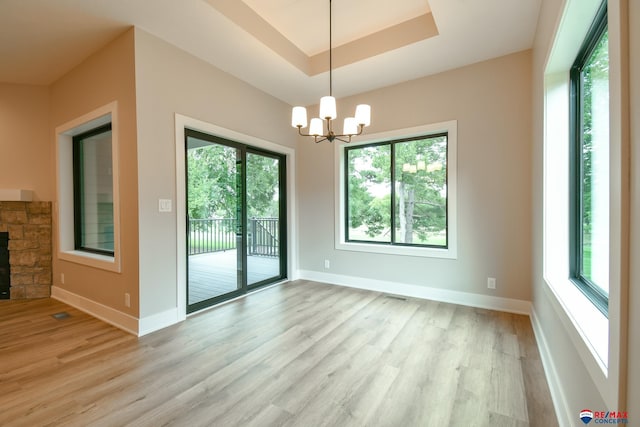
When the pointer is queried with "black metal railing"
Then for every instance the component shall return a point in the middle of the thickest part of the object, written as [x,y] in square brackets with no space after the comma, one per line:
[264,237]
[215,235]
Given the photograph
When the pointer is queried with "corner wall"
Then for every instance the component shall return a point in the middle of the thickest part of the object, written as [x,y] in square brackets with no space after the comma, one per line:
[491,101]
[170,81]
[106,76]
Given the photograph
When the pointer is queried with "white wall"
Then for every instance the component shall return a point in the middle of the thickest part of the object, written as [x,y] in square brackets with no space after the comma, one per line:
[574,383]
[170,81]
[492,103]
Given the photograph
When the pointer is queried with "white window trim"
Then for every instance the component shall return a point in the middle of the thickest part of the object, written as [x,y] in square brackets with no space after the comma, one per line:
[65,204]
[451,252]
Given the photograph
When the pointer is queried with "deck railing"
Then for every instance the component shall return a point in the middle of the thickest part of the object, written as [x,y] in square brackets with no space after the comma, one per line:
[219,234]
[264,237]
[211,235]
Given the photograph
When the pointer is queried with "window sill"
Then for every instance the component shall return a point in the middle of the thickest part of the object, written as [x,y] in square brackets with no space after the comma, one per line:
[449,253]
[591,325]
[103,262]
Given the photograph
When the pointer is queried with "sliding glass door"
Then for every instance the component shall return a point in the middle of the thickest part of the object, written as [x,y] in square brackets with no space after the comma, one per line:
[236,225]
[265,216]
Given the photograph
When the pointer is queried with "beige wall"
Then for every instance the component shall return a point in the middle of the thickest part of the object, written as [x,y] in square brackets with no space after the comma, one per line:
[492,103]
[170,81]
[106,76]
[25,143]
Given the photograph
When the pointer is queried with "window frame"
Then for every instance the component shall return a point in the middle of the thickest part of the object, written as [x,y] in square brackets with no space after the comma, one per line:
[392,143]
[451,252]
[78,167]
[593,293]
[64,205]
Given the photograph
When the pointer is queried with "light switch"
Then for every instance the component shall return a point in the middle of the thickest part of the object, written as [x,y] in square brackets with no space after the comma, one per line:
[164,205]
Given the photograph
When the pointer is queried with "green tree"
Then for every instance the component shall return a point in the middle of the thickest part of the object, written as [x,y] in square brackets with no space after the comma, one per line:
[262,186]
[214,186]
[211,182]
[594,77]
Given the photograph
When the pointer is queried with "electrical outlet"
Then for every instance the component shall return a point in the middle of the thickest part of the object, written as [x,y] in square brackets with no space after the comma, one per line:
[327,264]
[62,278]
[491,283]
[127,299]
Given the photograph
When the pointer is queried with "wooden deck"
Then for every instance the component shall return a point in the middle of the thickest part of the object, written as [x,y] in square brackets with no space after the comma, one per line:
[215,273]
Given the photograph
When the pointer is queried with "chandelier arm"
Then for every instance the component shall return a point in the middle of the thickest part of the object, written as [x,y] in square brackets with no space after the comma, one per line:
[360,129]
[315,137]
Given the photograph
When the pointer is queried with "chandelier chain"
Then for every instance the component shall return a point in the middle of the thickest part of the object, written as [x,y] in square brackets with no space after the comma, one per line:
[330,52]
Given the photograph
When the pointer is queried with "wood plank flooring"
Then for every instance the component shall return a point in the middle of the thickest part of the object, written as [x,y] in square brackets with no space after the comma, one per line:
[298,354]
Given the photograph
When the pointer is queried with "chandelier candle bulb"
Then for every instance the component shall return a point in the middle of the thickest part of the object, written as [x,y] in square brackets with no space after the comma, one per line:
[315,128]
[299,117]
[350,126]
[328,108]
[363,115]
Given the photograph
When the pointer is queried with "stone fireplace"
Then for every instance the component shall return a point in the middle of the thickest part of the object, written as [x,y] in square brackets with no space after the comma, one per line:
[27,225]
[5,272]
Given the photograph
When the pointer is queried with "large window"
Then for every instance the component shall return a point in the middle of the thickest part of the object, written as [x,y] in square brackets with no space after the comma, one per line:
[396,192]
[589,112]
[93,191]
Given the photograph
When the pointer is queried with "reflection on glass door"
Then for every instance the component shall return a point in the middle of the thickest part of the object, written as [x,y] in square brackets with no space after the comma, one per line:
[264,217]
[236,225]
[214,221]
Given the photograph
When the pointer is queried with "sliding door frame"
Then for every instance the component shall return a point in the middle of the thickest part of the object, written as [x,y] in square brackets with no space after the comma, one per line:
[241,249]
[288,167]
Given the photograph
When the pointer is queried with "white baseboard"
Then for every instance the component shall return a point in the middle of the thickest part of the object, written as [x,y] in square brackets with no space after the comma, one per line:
[443,295]
[565,417]
[158,321]
[107,314]
[138,327]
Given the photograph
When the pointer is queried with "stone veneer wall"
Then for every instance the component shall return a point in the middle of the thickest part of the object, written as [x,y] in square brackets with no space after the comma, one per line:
[29,227]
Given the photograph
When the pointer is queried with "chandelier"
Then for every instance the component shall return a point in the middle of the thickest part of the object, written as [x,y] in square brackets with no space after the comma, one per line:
[321,128]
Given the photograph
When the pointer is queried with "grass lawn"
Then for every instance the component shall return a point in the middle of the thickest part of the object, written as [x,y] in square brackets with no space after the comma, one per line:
[433,239]
[199,242]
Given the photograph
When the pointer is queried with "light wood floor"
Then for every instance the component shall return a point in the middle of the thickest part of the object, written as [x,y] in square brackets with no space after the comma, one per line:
[299,354]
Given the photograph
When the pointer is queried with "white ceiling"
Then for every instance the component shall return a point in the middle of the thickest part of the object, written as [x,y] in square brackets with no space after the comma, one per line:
[303,21]
[41,40]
